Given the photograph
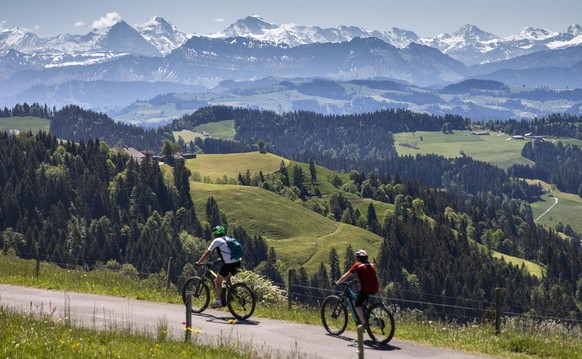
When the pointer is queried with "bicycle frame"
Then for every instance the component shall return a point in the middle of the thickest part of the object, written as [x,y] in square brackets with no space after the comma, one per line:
[350,295]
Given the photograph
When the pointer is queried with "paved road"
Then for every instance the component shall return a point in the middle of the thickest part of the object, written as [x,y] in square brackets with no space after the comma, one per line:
[276,338]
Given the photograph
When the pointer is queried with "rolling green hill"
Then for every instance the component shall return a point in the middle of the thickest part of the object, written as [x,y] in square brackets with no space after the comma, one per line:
[230,165]
[300,237]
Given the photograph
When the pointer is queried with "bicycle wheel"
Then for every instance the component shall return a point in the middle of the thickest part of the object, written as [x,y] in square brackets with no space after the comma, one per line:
[241,300]
[380,324]
[334,315]
[200,293]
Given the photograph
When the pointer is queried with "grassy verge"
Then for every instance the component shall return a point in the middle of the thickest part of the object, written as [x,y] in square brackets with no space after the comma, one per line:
[520,338]
[30,336]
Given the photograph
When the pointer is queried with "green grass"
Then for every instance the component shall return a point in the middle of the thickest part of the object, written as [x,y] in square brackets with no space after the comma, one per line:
[531,267]
[187,135]
[34,124]
[567,211]
[220,129]
[230,165]
[495,148]
[300,236]
[42,336]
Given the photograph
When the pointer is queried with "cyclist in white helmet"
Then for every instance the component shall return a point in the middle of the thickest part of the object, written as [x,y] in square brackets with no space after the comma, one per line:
[368,281]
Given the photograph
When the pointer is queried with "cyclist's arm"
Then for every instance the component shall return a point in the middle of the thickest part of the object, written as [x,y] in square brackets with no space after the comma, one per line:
[204,256]
[346,275]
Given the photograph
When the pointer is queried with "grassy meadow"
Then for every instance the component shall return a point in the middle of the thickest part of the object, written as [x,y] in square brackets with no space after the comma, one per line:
[300,236]
[495,148]
[26,123]
[230,165]
[566,211]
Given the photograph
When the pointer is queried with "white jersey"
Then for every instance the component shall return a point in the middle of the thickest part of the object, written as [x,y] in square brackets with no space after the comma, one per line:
[223,249]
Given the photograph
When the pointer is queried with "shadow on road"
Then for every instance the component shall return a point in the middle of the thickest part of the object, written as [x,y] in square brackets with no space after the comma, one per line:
[227,320]
[368,343]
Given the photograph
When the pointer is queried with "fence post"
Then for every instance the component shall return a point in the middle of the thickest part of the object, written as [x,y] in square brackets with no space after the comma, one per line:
[188,337]
[360,342]
[498,311]
[37,267]
[168,273]
[289,287]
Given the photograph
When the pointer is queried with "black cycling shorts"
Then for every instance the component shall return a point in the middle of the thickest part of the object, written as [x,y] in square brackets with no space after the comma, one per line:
[229,268]
[361,299]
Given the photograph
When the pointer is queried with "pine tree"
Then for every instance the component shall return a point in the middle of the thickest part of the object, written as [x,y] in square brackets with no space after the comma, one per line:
[334,265]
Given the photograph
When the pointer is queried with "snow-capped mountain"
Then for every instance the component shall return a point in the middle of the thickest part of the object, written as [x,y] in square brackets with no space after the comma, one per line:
[252,48]
[472,45]
[158,37]
[257,28]
[119,38]
[469,44]
[162,34]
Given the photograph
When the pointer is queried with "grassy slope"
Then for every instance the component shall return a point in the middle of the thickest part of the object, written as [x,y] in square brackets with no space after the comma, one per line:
[566,211]
[26,123]
[495,148]
[300,237]
[221,129]
[230,165]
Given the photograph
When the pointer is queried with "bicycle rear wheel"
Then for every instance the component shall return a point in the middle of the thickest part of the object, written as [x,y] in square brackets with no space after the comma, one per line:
[200,293]
[334,315]
[380,324]
[241,301]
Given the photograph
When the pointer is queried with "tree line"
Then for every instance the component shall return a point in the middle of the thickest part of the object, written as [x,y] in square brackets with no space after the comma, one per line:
[24,109]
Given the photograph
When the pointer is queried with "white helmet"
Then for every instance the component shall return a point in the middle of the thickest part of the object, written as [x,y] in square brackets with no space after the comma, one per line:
[361,254]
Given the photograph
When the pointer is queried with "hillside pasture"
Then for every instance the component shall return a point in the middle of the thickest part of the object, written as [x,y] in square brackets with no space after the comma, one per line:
[187,135]
[495,148]
[566,211]
[300,236]
[25,123]
[230,165]
[220,129]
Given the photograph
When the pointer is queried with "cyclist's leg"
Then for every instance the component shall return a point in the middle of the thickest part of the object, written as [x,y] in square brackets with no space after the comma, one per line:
[225,272]
[218,290]
[358,303]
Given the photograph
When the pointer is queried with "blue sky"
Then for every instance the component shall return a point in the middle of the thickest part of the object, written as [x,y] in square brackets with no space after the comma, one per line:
[425,17]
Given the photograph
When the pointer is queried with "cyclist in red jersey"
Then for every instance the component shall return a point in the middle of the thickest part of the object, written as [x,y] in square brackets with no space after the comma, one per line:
[368,281]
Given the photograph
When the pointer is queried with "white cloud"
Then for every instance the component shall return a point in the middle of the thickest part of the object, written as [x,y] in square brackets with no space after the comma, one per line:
[2,23]
[79,24]
[218,20]
[110,19]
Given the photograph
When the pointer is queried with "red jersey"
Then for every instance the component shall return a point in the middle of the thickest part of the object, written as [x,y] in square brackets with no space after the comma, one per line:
[367,276]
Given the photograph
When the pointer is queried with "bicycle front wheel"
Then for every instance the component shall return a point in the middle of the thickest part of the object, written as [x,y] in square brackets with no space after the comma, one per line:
[334,315]
[241,301]
[200,293]
[380,324]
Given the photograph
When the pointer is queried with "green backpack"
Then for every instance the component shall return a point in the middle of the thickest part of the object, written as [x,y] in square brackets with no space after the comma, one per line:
[236,248]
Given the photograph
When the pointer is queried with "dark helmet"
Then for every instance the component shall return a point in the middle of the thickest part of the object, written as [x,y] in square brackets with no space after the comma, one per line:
[218,230]
[362,255]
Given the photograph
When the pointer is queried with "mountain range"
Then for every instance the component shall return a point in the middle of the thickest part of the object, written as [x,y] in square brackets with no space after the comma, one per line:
[162,59]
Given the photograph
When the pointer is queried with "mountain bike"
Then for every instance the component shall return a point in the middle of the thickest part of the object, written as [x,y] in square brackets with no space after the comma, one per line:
[239,297]
[334,316]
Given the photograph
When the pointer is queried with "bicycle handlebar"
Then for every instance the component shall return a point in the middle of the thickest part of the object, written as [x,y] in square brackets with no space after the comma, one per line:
[208,264]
